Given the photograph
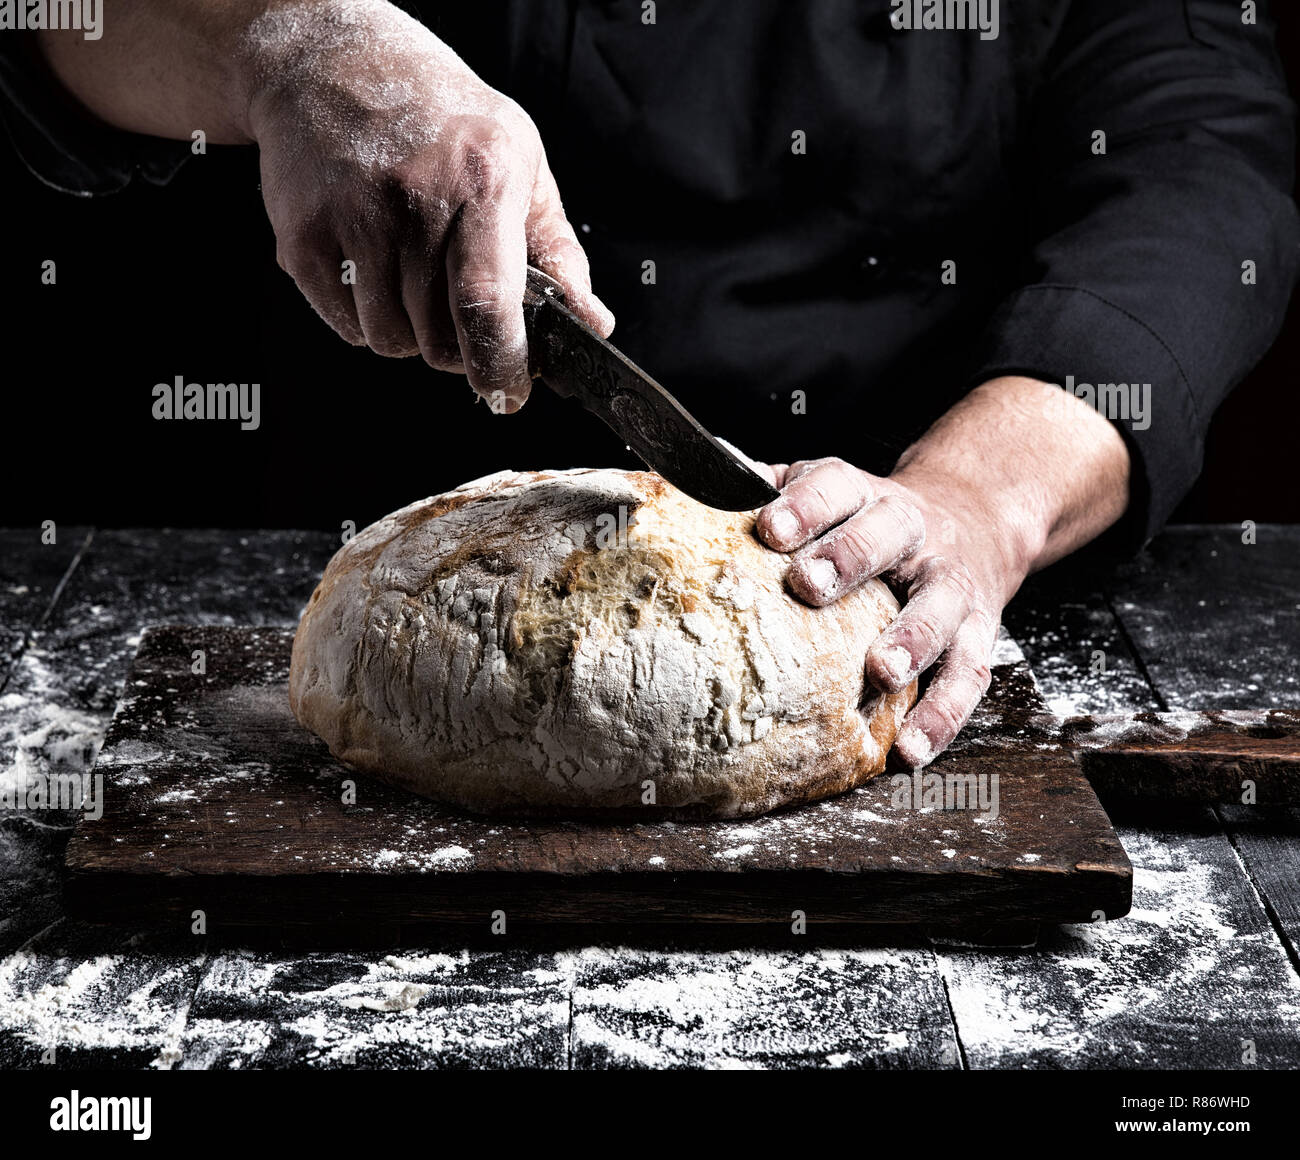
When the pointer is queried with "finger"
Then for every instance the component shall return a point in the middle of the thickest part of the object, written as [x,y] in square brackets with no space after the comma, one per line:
[486,270]
[940,597]
[828,492]
[425,300]
[961,680]
[320,279]
[774,473]
[801,467]
[883,533]
[761,468]
[553,247]
[377,293]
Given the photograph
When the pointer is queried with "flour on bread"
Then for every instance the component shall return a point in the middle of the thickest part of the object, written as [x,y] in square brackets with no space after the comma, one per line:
[554,641]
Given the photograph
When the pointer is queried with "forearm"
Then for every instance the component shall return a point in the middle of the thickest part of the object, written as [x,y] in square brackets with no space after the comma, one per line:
[1031,459]
[167,67]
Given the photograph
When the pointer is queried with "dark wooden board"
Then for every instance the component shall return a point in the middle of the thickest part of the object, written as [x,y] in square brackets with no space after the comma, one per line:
[75,609]
[1268,842]
[115,996]
[216,799]
[1217,620]
[1194,977]
[1205,962]
[1209,757]
[795,1006]
[1212,756]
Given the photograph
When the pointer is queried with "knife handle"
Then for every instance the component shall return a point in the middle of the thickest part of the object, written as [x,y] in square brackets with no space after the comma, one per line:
[540,286]
[542,292]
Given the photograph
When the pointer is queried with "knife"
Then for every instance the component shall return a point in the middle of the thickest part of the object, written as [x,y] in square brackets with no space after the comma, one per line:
[575,362]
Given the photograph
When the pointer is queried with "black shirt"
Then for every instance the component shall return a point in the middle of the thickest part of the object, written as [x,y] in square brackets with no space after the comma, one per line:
[778,270]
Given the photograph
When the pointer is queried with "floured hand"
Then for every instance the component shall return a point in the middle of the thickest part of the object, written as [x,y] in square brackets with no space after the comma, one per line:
[381,148]
[845,526]
[1014,476]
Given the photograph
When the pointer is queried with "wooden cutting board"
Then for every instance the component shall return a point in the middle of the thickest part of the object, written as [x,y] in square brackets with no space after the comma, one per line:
[216,800]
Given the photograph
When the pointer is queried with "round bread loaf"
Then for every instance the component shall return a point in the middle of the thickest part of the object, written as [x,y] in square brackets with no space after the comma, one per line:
[588,642]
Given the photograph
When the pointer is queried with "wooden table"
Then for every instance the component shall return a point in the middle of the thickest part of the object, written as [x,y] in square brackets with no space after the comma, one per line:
[1205,972]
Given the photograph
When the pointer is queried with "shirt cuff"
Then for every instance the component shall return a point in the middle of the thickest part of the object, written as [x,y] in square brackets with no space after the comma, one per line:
[1071,337]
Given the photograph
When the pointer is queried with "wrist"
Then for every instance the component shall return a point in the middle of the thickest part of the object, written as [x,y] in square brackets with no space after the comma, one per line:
[1035,462]
[295,52]
[1005,521]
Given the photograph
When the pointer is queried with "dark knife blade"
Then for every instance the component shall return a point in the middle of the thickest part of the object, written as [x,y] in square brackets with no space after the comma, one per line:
[575,362]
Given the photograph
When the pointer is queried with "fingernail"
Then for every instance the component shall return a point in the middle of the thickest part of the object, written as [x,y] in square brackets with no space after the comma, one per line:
[499,403]
[896,665]
[913,746]
[782,525]
[821,576]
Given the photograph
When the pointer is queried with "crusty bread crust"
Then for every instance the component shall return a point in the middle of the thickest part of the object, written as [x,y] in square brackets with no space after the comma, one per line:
[588,642]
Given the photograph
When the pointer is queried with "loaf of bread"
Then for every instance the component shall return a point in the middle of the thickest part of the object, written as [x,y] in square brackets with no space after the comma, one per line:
[588,642]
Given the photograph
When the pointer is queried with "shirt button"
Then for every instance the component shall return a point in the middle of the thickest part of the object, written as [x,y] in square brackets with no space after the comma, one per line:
[872,267]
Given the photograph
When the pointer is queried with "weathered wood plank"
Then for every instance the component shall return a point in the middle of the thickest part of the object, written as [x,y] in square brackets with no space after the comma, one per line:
[95,999]
[1194,977]
[1196,968]
[1268,841]
[1079,654]
[1216,620]
[876,1008]
[217,799]
[1209,756]
[1205,756]
[409,1009]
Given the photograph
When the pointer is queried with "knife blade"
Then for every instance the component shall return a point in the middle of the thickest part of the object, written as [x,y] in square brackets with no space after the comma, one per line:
[575,362]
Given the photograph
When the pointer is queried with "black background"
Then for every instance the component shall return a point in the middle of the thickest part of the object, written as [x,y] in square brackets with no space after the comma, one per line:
[156,282]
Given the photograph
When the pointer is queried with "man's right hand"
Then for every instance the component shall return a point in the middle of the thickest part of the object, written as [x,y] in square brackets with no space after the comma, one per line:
[380,147]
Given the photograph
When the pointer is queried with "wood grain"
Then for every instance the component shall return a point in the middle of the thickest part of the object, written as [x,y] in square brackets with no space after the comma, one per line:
[216,799]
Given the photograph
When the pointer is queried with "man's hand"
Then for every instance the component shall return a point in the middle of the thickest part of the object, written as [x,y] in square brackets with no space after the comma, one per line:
[942,555]
[1015,476]
[380,147]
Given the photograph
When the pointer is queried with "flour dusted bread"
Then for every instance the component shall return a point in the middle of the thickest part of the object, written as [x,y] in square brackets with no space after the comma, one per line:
[551,641]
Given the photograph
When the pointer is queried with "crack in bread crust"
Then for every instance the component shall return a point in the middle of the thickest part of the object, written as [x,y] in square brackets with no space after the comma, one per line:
[550,642]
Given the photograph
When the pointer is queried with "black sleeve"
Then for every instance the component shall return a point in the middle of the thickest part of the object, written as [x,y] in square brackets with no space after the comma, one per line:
[1136,273]
[63,145]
